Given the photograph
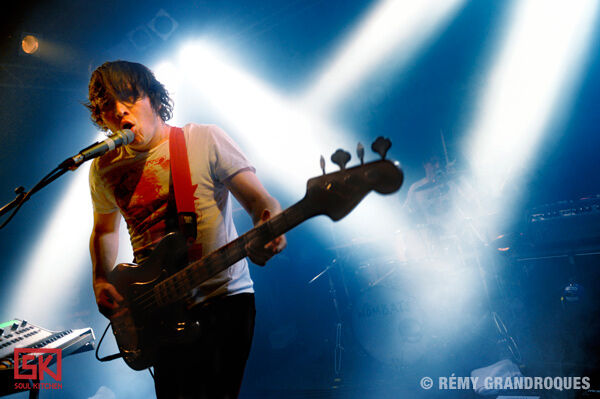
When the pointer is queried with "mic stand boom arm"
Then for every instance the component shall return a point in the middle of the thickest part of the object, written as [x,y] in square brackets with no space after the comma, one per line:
[22,196]
[118,138]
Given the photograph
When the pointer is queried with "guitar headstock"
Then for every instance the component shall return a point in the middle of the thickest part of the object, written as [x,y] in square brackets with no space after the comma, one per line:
[336,194]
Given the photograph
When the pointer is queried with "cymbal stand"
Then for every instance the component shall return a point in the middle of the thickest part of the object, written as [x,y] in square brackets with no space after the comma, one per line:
[504,337]
[338,350]
[337,364]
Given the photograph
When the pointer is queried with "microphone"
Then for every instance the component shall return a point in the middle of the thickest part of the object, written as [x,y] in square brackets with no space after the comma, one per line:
[117,139]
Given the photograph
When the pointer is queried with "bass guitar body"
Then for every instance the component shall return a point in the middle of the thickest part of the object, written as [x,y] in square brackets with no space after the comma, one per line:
[143,326]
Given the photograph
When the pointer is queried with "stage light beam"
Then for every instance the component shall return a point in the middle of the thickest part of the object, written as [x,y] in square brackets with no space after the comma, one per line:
[54,264]
[533,76]
[268,122]
[58,261]
[392,28]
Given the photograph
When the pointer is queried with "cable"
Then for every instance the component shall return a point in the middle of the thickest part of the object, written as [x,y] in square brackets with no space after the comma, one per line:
[110,357]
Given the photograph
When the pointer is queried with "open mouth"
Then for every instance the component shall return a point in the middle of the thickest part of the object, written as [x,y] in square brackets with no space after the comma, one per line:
[127,125]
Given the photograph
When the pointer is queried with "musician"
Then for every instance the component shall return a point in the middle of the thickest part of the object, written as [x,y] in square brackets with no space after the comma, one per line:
[446,210]
[134,182]
[428,197]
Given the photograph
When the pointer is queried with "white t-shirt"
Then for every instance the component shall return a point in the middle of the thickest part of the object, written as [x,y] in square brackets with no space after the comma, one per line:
[137,184]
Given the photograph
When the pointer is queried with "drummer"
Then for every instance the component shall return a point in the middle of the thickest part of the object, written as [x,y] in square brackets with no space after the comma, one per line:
[428,199]
[444,208]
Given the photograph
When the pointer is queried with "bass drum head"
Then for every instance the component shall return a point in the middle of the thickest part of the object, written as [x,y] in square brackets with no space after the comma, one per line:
[388,325]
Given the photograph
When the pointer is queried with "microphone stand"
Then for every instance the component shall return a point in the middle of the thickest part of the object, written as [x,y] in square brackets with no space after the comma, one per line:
[22,196]
[121,137]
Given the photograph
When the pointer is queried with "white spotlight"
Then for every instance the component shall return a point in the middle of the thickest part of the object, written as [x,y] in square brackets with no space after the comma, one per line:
[268,123]
[536,65]
[59,261]
[282,138]
[392,27]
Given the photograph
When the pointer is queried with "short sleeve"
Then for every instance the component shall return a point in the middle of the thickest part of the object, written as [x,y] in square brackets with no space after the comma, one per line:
[103,200]
[226,158]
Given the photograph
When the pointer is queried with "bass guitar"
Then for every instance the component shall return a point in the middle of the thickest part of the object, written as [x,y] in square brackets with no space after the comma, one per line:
[155,292]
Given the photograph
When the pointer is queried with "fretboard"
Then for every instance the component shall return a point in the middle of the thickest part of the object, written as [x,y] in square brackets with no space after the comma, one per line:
[170,290]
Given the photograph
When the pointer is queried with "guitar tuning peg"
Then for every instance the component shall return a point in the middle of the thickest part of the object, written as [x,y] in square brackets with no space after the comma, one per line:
[381,146]
[322,162]
[340,158]
[360,151]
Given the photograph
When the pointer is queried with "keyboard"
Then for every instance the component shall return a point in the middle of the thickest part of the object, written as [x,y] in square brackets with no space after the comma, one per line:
[19,333]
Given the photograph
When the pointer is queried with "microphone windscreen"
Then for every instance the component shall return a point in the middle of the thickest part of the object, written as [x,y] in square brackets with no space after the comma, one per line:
[127,136]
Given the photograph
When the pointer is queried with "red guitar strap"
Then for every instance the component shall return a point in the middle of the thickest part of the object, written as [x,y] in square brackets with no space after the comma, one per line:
[182,184]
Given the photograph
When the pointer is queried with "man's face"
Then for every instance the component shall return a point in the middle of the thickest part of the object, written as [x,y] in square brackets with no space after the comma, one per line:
[139,116]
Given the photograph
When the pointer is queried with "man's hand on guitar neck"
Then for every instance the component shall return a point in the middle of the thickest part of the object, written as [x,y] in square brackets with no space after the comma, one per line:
[255,199]
[259,255]
[107,297]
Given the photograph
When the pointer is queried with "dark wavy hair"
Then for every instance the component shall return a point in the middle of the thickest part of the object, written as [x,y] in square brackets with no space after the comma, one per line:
[125,81]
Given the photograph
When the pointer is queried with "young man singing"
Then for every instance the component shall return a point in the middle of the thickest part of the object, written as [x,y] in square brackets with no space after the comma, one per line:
[134,181]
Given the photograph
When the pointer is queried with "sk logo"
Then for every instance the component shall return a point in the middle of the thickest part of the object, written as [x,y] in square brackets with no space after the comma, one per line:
[38,362]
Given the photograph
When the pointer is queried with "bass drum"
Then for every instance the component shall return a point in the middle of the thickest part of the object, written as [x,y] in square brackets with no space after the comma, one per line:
[388,325]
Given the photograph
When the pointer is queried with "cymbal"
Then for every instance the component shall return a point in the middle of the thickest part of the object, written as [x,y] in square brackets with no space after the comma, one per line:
[432,184]
[441,179]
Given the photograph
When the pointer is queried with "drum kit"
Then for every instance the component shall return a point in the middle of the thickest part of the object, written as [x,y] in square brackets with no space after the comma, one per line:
[400,305]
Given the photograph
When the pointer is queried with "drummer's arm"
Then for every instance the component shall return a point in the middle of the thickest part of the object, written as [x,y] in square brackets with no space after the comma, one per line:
[410,202]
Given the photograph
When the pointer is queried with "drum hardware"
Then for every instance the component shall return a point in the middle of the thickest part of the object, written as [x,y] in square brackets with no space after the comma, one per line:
[389,327]
[380,279]
[506,340]
[315,278]
[338,349]
[387,321]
